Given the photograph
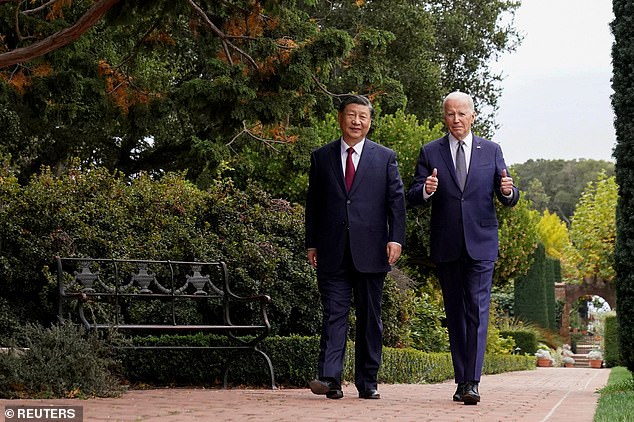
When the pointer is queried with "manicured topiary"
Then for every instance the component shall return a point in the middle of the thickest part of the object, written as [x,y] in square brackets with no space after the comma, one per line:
[623,104]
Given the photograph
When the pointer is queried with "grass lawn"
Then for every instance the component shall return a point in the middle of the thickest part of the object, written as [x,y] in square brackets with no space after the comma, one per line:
[616,403]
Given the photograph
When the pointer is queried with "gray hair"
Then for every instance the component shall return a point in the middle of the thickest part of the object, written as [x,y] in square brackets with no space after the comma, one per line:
[460,96]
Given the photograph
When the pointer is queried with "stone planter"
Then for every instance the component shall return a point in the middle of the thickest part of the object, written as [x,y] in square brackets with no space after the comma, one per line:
[544,362]
[595,363]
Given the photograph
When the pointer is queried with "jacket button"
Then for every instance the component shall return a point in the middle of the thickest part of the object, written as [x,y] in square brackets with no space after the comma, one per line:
[348,202]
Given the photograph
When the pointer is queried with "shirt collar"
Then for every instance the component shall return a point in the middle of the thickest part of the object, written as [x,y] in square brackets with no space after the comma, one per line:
[357,148]
[468,141]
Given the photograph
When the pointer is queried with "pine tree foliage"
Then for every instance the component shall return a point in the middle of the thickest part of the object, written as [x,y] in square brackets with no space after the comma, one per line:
[199,85]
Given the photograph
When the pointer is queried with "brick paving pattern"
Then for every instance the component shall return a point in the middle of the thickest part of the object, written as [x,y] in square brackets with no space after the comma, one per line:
[540,395]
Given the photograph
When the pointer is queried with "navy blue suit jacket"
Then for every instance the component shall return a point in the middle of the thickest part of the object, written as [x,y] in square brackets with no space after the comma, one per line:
[371,214]
[453,211]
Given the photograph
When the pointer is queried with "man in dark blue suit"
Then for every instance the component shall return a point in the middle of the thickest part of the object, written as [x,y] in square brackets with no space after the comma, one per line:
[355,229]
[459,175]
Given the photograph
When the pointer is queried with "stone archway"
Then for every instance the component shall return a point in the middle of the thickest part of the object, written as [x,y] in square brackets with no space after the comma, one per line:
[569,293]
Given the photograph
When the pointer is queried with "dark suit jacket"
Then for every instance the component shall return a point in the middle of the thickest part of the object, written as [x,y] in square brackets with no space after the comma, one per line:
[371,214]
[454,212]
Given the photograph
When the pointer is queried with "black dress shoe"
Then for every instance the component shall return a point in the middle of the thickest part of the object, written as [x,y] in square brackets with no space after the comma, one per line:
[370,394]
[457,396]
[471,394]
[331,389]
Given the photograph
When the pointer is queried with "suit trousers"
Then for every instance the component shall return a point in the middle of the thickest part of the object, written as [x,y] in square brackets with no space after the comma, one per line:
[466,288]
[337,291]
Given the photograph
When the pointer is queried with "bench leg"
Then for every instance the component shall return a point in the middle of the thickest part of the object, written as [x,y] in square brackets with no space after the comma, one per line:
[268,363]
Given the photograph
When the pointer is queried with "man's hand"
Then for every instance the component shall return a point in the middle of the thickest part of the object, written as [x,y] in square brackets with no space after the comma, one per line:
[393,252]
[431,183]
[312,257]
[507,184]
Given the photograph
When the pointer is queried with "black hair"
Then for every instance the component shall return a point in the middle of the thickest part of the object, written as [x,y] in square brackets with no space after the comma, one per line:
[356,99]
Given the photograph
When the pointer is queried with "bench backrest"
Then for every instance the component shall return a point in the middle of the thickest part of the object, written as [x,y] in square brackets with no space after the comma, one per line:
[135,291]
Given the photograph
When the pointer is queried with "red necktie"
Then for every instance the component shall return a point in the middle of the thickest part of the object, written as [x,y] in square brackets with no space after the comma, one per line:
[349,169]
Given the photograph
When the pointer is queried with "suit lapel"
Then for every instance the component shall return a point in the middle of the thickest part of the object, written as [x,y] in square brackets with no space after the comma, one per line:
[367,155]
[476,156]
[445,152]
[335,162]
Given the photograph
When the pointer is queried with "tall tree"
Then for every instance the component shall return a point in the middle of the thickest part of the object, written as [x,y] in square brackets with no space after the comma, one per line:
[553,234]
[470,34]
[54,41]
[623,103]
[518,240]
[191,84]
[593,228]
[537,195]
[561,182]
[436,46]
[163,85]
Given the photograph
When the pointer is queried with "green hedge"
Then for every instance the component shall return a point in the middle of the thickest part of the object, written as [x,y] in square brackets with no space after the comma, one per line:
[612,353]
[64,361]
[525,340]
[294,360]
[93,212]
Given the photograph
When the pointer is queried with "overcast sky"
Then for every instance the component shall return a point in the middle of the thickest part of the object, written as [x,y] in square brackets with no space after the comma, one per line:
[555,102]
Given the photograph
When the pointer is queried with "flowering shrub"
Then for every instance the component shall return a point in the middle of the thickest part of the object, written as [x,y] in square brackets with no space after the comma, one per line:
[543,354]
[595,355]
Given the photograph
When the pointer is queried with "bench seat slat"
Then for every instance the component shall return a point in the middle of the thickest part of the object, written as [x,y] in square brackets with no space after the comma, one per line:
[180,327]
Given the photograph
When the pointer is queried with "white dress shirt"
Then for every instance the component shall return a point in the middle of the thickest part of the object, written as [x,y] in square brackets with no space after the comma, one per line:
[356,156]
[468,143]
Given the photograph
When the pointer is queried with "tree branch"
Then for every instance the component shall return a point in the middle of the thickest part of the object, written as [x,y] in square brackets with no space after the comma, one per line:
[42,7]
[323,88]
[59,39]
[226,44]
[94,14]
[249,132]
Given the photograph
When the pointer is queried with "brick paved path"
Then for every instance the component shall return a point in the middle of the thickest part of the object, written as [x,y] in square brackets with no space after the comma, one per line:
[540,395]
